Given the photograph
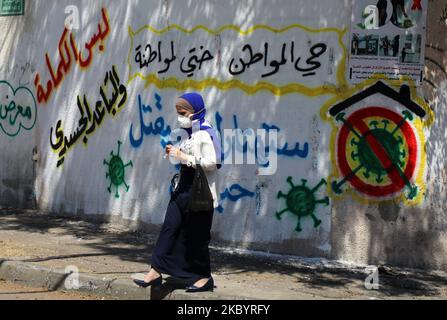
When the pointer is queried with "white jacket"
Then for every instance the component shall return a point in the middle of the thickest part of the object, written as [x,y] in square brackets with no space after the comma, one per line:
[200,149]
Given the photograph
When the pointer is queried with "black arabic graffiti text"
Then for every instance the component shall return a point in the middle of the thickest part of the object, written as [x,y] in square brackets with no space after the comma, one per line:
[251,58]
[188,66]
[165,55]
[89,121]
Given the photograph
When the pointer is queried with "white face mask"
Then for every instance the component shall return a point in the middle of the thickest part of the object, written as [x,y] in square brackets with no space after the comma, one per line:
[185,122]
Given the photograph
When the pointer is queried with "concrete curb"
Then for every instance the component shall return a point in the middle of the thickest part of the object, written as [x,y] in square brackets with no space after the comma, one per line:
[31,275]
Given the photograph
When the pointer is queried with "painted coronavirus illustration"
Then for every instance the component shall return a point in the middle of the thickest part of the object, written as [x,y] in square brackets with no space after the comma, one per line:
[302,202]
[379,144]
[116,171]
[377,152]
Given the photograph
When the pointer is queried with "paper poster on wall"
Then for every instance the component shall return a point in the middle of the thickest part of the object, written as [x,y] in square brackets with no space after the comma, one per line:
[12,7]
[387,38]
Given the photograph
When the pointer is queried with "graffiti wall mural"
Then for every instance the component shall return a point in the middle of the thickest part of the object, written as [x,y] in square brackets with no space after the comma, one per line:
[112,98]
[18,109]
[106,82]
[281,65]
[157,127]
[68,53]
[378,144]
[116,171]
[301,202]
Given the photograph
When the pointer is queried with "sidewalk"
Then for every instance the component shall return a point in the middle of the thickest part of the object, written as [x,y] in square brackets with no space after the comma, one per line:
[36,249]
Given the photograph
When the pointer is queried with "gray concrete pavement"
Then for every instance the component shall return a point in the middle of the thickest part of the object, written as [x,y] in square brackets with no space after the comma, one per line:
[39,250]
[12,291]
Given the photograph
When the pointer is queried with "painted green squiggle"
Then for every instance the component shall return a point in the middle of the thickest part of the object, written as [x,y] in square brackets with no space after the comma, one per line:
[18,109]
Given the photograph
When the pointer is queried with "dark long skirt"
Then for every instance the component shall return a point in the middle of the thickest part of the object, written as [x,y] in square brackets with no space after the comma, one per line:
[182,246]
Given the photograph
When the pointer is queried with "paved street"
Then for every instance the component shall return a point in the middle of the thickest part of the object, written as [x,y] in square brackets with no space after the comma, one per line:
[106,251]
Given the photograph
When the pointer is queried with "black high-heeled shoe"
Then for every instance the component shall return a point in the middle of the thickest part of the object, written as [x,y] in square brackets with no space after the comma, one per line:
[209,286]
[144,284]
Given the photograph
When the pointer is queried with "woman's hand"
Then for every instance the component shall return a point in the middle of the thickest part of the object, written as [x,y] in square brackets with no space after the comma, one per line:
[176,153]
[168,149]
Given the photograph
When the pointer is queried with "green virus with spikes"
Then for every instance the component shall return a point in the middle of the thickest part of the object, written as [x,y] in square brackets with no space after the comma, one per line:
[116,171]
[367,159]
[301,202]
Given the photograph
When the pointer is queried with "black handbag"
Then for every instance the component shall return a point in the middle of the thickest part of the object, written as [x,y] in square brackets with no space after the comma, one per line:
[201,197]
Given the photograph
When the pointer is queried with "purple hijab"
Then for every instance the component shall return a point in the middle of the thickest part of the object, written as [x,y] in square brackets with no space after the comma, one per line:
[196,101]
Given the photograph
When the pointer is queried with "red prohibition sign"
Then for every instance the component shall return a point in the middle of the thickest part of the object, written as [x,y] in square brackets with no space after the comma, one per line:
[399,179]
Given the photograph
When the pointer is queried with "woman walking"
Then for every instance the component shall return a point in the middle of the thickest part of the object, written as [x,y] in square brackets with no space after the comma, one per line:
[182,246]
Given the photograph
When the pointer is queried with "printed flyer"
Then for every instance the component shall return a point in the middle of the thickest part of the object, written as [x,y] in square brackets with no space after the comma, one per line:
[387,38]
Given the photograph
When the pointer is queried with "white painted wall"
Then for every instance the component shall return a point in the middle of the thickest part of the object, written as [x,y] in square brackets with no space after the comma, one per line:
[80,186]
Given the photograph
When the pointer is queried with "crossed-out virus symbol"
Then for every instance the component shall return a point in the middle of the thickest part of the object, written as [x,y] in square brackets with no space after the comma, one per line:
[301,202]
[383,152]
[116,171]
[366,157]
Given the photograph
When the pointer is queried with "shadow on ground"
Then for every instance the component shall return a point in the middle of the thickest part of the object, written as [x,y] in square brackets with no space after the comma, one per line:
[136,246]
